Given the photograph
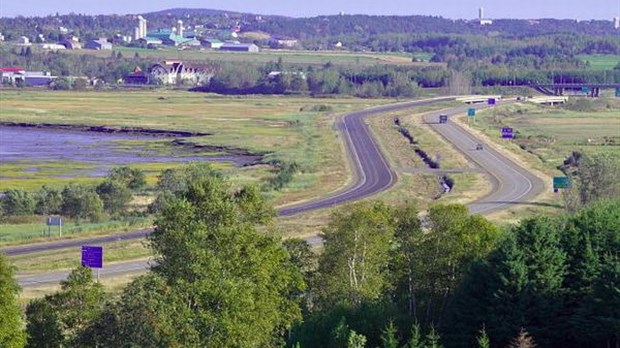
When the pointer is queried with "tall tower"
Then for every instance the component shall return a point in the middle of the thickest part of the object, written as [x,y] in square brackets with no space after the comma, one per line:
[180,28]
[142,26]
[481,13]
[616,22]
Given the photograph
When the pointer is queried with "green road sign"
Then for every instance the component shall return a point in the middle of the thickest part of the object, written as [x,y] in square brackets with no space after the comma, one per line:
[471,112]
[561,182]
[617,92]
[585,89]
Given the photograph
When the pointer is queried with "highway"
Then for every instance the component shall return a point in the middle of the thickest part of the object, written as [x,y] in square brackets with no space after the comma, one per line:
[372,174]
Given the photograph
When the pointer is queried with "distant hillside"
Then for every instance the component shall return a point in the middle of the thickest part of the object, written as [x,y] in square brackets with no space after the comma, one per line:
[200,12]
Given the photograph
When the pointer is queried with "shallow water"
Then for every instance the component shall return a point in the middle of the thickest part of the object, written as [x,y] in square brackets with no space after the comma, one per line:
[101,150]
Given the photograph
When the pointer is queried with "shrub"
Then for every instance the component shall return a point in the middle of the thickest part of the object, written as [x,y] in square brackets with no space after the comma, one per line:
[18,202]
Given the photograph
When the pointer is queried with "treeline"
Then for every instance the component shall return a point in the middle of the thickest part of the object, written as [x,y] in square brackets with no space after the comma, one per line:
[386,277]
[77,201]
[108,69]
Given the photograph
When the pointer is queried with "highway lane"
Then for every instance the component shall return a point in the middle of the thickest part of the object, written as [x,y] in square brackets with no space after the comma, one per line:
[511,183]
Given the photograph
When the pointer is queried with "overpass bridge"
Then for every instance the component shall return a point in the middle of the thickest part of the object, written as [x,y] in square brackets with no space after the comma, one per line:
[591,89]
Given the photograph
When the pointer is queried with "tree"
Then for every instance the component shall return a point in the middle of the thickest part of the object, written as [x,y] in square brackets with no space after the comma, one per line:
[595,177]
[429,266]
[49,201]
[432,339]
[210,253]
[115,196]
[61,319]
[133,178]
[415,340]
[356,340]
[523,340]
[12,334]
[354,264]
[388,336]
[483,339]
[149,313]
[18,202]
[81,202]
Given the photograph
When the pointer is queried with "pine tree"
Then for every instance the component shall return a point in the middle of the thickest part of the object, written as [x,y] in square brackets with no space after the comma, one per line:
[523,340]
[483,339]
[388,336]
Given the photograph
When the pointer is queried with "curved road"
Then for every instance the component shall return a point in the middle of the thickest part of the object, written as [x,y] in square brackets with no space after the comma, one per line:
[511,183]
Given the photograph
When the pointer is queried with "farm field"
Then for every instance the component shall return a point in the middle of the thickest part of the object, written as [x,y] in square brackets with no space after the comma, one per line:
[601,61]
[294,57]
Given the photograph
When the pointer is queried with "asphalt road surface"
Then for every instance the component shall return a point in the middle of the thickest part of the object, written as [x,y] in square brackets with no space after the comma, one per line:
[512,184]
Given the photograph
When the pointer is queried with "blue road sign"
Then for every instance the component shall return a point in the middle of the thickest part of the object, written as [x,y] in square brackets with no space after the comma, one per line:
[443,118]
[491,101]
[507,133]
[471,112]
[561,182]
[92,256]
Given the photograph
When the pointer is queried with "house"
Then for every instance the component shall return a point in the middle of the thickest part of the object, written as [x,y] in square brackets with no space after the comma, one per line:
[34,78]
[172,72]
[51,46]
[7,75]
[137,77]
[71,44]
[212,43]
[99,44]
[23,41]
[282,42]
[239,47]
[149,42]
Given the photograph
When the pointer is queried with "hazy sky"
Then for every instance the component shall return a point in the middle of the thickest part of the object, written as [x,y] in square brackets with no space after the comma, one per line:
[577,9]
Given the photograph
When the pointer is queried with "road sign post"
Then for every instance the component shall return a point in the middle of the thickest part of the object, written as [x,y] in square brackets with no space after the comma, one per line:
[561,182]
[471,115]
[92,257]
[54,221]
[507,133]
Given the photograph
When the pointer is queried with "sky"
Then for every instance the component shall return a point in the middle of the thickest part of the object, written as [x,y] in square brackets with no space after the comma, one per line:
[467,9]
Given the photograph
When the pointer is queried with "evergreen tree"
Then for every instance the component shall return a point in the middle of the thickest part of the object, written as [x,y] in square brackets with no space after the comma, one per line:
[388,336]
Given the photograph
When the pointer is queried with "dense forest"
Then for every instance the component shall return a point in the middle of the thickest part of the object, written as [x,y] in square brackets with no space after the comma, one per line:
[386,276]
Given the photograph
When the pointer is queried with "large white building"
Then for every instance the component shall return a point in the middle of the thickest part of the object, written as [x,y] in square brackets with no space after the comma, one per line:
[481,18]
[140,31]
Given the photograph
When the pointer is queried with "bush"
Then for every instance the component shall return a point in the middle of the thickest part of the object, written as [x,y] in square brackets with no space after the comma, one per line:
[49,201]
[115,196]
[133,178]
[18,202]
[81,202]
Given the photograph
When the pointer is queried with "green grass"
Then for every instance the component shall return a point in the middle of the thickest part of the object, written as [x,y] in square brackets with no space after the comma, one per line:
[66,259]
[33,232]
[301,58]
[601,61]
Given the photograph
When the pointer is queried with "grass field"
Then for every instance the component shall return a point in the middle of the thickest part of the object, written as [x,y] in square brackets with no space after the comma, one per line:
[601,61]
[32,232]
[301,58]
